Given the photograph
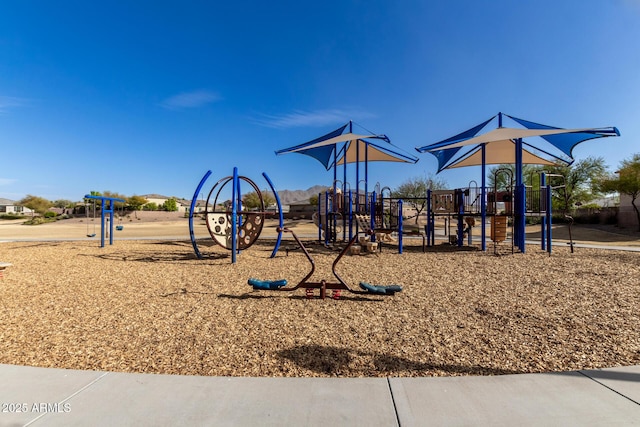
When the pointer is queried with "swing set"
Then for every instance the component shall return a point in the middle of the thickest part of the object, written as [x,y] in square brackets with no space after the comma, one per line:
[93,218]
[107,207]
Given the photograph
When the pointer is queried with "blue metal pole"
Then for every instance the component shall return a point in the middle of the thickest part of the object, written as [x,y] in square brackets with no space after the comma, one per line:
[543,220]
[358,177]
[366,171]
[102,227]
[372,213]
[522,207]
[427,229]
[192,208]
[319,218]
[111,205]
[234,216]
[350,215]
[326,218]
[400,226]
[280,215]
[460,240]
[519,228]
[483,208]
[549,219]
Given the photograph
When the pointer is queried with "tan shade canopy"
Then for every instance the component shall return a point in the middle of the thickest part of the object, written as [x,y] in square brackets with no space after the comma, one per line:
[359,151]
[497,153]
[331,141]
[504,134]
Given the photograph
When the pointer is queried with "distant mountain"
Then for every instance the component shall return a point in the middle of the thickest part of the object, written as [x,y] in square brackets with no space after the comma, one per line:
[288,197]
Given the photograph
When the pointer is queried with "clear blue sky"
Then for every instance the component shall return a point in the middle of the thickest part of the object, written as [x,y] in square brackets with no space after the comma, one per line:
[140,97]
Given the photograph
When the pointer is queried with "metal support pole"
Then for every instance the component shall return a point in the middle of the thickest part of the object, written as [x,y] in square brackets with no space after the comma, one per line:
[549,220]
[543,219]
[483,204]
[234,216]
[400,226]
[428,227]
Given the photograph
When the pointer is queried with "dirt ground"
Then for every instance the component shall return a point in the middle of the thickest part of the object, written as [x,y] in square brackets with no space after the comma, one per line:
[147,304]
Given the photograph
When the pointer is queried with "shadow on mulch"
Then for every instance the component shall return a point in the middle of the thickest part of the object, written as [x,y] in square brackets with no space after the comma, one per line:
[37,245]
[329,360]
[162,258]
[301,296]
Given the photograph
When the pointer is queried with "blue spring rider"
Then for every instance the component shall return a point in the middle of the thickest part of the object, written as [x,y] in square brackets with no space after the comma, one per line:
[335,287]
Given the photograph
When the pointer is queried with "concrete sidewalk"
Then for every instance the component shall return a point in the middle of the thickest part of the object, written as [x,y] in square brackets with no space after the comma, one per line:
[58,397]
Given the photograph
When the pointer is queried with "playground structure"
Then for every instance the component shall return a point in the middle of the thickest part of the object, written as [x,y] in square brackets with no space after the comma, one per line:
[232,227]
[107,206]
[505,145]
[463,206]
[340,213]
[343,213]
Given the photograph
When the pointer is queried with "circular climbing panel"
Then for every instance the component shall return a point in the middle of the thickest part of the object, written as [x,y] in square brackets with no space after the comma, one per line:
[220,220]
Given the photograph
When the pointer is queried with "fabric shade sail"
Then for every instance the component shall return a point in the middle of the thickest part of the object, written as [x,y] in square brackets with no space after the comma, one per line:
[359,150]
[498,152]
[450,154]
[339,146]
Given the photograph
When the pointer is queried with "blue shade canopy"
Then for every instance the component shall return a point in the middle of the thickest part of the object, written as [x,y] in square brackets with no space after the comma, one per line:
[318,148]
[449,154]
[566,142]
[334,147]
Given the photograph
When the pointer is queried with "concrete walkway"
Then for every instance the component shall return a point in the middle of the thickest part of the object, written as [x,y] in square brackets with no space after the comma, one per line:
[57,397]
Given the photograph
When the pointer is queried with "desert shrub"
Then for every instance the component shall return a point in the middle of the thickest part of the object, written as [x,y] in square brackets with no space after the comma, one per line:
[36,220]
[49,214]
[11,216]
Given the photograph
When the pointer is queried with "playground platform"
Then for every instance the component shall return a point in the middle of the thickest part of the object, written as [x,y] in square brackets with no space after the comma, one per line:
[33,396]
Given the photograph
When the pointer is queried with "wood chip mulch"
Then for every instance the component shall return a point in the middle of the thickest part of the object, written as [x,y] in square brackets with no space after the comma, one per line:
[151,306]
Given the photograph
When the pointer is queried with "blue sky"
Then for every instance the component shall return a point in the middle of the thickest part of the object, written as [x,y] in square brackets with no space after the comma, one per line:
[143,97]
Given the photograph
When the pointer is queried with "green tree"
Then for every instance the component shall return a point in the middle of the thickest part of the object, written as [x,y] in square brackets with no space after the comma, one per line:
[252,200]
[151,206]
[97,194]
[313,200]
[578,180]
[625,181]
[414,191]
[170,205]
[113,195]
[500,180]
[136,203]
[63,203]
[581,182]
[36,204]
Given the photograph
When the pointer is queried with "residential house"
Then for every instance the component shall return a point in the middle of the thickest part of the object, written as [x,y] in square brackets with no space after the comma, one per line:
[183,204]
[11,207]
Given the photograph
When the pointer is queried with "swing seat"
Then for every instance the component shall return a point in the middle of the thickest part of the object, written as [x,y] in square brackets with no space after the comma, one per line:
[119,227]
[91,235]
[267,284]
[380,290]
